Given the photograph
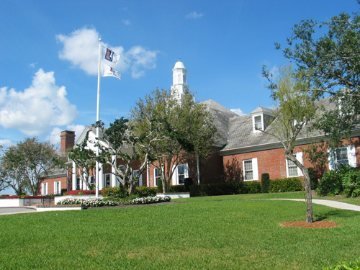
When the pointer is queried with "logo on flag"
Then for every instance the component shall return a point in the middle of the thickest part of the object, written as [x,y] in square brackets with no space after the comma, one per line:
[109,71]
[109,55]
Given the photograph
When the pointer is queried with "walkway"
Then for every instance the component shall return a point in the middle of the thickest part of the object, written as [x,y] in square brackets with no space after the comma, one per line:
[16,210]
[329,203]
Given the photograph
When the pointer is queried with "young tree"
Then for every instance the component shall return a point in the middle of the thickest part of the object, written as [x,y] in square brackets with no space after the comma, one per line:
[121,143]
[168,131]
[327,54]
[85,158]
[25,164]
[296,108]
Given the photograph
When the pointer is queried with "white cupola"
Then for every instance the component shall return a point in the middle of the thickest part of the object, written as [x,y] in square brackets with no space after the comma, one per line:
[179,86]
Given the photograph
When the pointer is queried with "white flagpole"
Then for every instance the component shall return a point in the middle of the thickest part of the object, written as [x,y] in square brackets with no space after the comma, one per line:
[97,119]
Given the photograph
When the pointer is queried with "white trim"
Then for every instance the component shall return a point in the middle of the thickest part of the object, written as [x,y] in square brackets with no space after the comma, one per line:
[255,169]
[299,157]
[262,122]
[352,156]
[73,176]
[113,171]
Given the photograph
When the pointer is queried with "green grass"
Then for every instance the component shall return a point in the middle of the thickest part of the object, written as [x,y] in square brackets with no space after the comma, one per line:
[224,232]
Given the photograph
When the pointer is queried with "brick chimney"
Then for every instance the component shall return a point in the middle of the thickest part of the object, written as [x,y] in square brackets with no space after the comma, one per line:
[67,140]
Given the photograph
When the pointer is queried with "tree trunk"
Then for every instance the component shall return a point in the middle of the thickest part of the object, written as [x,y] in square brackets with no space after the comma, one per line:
[308,196]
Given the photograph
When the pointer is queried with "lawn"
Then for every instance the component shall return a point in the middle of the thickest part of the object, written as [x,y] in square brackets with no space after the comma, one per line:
[224,232]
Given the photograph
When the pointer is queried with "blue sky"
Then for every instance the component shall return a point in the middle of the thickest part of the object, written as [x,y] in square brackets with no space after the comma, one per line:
[47,79]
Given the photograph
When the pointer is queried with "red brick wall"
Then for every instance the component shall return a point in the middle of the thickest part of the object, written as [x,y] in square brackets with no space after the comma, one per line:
[51,182]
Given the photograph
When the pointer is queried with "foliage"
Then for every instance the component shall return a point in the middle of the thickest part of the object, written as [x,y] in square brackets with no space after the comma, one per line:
[314,178]
[114,192]
[178,188]
[317,154]
[327,54]
[169,132]
[265,182]
[355,265]
[25,164]
[85,158]
[296,109]
[145,191]
[148,200]
[351,183]
[330,183]
[250,187]
[286,185]
[188,182]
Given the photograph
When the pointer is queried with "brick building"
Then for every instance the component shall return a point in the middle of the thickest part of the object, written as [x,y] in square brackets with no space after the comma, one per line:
[241,150]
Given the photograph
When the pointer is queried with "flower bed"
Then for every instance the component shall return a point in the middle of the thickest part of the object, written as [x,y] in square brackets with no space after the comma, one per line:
[103,202]
[80,192]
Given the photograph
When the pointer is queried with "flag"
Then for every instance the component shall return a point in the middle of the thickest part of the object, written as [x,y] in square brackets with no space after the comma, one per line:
[111,56]
[109,71]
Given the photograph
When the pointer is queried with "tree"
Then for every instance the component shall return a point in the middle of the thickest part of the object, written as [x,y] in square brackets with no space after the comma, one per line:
[169,131]
[327,54]
[85,158]
[25,164]
[296,109]
[121,143]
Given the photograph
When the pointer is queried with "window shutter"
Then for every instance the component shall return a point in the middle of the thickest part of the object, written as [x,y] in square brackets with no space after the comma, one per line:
[186,172]
[331,159]
[299,157]
[255,169]
[174,178]
[351,151]
[59,191]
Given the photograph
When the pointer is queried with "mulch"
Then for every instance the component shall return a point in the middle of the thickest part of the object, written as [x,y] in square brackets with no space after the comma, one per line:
[321,224]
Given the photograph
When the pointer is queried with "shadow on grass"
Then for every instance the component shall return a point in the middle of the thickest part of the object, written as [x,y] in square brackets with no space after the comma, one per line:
[334,213]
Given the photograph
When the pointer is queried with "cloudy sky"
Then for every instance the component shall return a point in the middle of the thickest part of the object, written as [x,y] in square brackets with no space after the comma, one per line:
[48,55]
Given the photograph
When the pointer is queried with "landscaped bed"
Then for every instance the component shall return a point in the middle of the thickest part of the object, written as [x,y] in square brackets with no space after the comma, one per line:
[223,232]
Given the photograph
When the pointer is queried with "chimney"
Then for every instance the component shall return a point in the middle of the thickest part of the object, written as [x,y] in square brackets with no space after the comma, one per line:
[67,140]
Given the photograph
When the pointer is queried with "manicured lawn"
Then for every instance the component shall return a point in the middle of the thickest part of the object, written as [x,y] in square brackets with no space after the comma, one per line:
[225,232]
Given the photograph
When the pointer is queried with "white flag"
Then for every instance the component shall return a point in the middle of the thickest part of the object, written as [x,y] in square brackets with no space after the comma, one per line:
[111,56]
[109,71]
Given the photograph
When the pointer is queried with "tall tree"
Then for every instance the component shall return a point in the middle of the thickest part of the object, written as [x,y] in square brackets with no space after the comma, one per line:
[25,164]
[328,55]
[294,113]
[168,131]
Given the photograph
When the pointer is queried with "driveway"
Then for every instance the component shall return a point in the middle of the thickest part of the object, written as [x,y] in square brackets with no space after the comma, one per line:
[16,210]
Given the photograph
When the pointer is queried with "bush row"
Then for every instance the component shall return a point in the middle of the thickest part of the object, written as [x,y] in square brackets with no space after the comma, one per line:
[345,181]
[237,187]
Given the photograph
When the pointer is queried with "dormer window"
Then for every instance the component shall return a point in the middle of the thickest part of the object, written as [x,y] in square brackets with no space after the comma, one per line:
[261,119]
[258,123]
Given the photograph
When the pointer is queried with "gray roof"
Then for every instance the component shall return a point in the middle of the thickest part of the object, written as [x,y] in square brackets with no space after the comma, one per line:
[221,116]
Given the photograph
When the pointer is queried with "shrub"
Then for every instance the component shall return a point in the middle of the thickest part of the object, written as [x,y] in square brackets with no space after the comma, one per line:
[265,182]
[80,192]
[313,178]
[351,183]
[286,185]
[330,183]
[178,188]
[251,187]
[187,183]
[145,191]
[114,192]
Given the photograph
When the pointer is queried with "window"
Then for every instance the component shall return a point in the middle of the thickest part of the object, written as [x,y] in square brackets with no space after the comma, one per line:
[57,187]
[44,189]
[291,169]
[107,179]
[250,169]
[342,156]
[157,177]
[258,122]
[180,173]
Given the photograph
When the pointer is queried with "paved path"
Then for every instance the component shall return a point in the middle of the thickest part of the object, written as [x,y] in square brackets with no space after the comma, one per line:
[16,210]
[329,203]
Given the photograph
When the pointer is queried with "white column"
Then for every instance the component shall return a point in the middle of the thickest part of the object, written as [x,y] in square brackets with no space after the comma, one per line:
[113,167]
[101,177]
[73,176]
[148,175]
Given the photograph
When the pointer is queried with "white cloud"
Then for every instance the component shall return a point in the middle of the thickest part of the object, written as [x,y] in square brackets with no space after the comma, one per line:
[194,15]
[38,108]
[54,136]
[238,111]
[80,48]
